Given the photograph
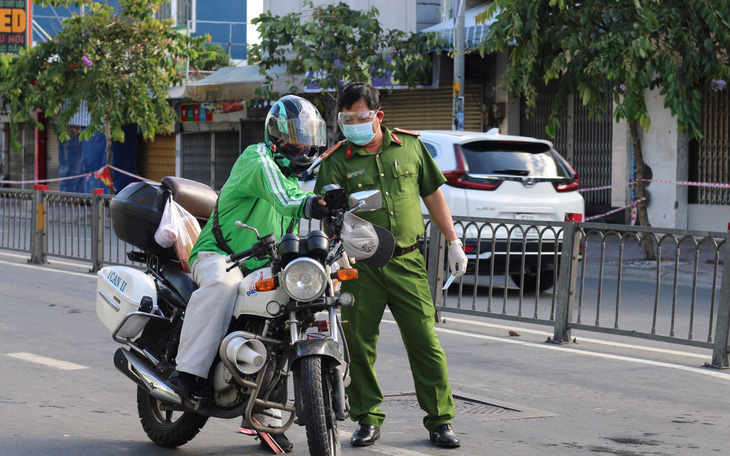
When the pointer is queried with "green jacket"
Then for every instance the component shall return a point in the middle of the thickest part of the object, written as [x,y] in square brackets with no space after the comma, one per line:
[259,195]
[402,170]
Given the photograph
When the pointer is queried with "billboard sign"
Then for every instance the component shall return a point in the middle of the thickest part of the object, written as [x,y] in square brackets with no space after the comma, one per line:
[15,25]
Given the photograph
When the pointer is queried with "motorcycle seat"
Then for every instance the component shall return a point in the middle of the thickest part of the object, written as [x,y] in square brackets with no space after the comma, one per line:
[179,281]
[195,197]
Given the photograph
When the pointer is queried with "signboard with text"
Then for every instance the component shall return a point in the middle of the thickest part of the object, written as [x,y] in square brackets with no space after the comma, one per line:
[15,25]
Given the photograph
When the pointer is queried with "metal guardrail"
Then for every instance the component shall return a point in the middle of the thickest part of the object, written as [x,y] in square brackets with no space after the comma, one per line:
[568,275]
[64,225]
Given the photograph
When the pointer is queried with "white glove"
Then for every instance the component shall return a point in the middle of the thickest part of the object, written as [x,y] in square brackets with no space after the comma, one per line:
[457,258]
[345,262]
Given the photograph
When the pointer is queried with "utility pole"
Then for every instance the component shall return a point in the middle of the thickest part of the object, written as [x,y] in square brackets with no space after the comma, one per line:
[459,38]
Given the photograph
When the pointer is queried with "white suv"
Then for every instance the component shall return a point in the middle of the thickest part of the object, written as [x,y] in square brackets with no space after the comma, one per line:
[507,177]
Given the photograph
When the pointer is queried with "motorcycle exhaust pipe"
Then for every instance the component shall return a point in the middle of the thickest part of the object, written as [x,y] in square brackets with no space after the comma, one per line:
[131,365]
[247,355]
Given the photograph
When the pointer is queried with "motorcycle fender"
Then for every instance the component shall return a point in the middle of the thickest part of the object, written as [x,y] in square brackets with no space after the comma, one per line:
[319,347]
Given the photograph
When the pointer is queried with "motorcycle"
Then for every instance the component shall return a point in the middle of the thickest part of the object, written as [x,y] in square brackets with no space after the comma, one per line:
[284,323]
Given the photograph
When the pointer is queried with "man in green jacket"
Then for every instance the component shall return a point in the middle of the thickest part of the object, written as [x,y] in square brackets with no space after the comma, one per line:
[398,164]
[263,192]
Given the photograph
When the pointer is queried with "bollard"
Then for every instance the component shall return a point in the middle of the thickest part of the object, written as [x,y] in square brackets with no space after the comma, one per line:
[565,300]
[38,220]
[720,359]
[97,230]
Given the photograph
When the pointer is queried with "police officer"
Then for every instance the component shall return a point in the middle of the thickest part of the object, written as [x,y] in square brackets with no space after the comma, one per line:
[398,164]
[263,192]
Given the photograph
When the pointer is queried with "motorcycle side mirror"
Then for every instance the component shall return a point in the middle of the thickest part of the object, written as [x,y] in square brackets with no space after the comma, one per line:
[366,201]
[240,224]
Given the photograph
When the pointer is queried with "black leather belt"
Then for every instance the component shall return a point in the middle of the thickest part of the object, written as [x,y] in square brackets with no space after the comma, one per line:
[403,251]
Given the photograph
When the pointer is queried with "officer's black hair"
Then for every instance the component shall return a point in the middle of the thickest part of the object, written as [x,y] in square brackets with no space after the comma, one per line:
[355,92]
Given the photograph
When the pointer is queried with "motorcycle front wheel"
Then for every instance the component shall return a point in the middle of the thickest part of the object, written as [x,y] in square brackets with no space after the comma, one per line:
[165,427]
[317,394]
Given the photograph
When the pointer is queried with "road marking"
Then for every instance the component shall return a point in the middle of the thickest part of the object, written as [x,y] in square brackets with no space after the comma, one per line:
[595,341]
[567,349]
[63,365]
[42,268]
[383,449]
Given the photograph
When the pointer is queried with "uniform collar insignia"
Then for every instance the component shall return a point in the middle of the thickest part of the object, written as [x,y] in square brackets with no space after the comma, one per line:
[348,153]
[396,138]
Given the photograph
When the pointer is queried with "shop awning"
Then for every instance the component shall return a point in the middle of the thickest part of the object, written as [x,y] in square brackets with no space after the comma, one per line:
[229,84]
[475,33]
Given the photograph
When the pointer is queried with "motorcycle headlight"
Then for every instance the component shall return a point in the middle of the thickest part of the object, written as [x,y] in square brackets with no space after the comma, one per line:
[304,279]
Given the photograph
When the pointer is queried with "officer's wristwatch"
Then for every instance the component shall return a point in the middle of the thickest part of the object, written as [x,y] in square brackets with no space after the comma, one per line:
[455,242]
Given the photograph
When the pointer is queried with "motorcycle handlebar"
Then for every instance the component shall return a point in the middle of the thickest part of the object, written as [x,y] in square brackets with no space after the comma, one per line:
[237,256]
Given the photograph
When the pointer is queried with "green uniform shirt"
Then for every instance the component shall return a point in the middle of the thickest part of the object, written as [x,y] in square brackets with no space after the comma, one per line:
[259,195]
[402,170]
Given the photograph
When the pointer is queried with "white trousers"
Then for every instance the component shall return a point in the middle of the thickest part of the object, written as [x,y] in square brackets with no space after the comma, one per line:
[208,313]
[207,317]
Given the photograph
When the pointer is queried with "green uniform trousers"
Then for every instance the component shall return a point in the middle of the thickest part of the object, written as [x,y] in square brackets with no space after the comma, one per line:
[402,285]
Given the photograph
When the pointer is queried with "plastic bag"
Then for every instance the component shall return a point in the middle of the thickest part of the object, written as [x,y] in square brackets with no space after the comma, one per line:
[180,229]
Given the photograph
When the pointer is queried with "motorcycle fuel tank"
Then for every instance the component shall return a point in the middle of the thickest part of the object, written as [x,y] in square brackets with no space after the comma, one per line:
[253,302]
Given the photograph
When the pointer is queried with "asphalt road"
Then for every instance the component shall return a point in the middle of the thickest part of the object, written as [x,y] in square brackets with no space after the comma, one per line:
[515,395]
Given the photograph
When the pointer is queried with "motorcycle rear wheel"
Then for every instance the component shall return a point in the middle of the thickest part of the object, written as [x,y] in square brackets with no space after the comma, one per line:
[317,394]
[165,427]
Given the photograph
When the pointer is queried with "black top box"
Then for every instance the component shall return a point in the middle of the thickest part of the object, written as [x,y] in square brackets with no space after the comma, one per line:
[136,212]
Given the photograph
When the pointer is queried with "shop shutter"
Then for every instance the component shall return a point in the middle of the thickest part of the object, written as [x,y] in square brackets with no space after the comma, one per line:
[196,157]
[226,153]
[431,109]
[158,158]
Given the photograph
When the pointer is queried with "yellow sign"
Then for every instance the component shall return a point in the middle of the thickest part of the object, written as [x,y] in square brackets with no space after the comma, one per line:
[15,20]
[457,89]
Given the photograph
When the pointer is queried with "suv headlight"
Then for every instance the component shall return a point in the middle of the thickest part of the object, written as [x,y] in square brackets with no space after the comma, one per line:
[304,279]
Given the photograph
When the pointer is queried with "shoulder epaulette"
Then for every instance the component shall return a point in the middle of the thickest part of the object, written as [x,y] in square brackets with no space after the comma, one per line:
[331,150]
[408,132]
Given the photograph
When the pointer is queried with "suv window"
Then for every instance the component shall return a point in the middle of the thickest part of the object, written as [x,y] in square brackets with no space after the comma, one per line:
[511,158]
[431,149]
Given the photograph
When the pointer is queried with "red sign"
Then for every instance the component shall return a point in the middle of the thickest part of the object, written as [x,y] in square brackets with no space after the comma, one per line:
[15,25]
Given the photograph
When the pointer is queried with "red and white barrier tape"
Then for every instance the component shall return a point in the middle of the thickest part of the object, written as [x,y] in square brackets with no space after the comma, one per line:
[693,184]
[45,181]
[588,219]
[659,181]
[605,187]
[87,176]
[132,175]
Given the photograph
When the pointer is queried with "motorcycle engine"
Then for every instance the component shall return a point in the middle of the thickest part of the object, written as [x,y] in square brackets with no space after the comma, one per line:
[226,392]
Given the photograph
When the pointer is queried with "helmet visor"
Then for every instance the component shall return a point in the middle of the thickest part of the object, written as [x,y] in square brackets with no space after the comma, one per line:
[304,131]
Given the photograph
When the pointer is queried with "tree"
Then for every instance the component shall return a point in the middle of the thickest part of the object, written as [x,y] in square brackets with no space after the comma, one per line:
[214,58]
[615,49]
[333,46]
[120,62]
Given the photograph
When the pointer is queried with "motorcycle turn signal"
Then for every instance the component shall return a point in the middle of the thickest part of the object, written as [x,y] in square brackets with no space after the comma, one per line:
[267,284]
[344,275]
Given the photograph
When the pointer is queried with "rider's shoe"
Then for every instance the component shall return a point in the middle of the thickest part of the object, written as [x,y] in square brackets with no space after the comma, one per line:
[281,440]
[182,383]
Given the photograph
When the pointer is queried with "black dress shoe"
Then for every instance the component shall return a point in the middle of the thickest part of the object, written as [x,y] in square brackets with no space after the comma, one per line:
[365,435]
[281,440]
[443,436]
[182,383]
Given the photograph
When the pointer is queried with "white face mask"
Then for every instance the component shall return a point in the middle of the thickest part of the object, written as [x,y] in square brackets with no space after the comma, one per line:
[359,134]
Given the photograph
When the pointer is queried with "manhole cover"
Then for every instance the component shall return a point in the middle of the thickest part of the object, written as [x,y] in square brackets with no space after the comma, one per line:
[483,407]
